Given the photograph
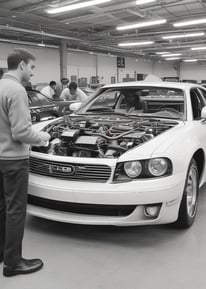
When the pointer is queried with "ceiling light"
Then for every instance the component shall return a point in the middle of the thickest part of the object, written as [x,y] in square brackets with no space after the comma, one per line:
[172,58]
[142,24]
[190,22]
[76,6]
[169,54]
[199,48]
[183,35]
[41,44]
[190,60]
[135,43]
[162,52]
[141,2]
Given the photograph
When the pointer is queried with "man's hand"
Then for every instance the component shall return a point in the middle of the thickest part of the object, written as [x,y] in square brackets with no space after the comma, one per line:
[44,138]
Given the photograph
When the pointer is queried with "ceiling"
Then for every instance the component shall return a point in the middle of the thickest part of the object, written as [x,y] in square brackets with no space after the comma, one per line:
[94,28]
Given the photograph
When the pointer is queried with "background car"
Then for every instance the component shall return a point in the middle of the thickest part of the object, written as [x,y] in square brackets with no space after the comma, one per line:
[43,108]
[108,165]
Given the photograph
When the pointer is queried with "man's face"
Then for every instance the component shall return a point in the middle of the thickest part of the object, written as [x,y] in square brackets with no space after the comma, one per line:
[73,91]
[27,70]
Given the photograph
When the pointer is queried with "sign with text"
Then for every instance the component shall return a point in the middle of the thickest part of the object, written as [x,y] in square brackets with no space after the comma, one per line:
[120,62]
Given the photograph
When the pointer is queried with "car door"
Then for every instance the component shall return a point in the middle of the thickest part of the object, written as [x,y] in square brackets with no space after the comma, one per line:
[197,103]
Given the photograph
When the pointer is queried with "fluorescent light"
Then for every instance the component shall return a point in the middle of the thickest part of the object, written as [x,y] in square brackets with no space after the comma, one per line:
[199,48]
[183,35]
[76,6]
[141,2]
[162,52]
[174,54]
[142,24]
[172,58]
[190,60]
[41,44]
[190,22]
[135,43]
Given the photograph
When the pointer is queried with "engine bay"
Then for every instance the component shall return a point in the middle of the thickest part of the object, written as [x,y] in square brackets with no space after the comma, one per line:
[100,136]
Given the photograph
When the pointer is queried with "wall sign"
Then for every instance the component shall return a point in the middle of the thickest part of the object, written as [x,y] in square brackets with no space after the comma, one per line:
[120,62]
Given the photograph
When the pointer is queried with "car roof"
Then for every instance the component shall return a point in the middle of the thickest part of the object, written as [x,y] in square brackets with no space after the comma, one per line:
[180,85]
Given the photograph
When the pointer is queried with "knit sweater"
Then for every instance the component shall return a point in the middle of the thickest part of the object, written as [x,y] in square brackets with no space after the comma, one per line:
[16,133]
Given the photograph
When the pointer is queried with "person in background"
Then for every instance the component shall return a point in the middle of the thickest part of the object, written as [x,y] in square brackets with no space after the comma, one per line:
[16,137]
[132,102]
[72,92]
[49,90]
[61,86]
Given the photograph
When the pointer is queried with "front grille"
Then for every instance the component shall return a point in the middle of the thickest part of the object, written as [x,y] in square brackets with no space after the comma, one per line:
[70,171]
[86,209]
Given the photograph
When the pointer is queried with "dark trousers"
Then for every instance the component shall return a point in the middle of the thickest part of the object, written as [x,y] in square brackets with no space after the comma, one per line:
[13,201]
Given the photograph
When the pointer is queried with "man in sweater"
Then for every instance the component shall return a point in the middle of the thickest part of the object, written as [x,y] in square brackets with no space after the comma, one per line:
[15,139]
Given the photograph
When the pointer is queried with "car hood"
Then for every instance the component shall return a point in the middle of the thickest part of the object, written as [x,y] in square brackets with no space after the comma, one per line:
[107,136]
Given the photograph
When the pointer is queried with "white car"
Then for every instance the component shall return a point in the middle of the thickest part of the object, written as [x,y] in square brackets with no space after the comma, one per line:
[108,164]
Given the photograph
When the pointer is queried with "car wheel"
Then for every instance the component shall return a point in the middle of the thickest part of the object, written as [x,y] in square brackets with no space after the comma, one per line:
[188,206]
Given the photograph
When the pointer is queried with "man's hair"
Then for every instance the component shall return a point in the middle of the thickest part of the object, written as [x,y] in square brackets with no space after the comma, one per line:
[16,56]
[52,83]
[73,85]
[64,80]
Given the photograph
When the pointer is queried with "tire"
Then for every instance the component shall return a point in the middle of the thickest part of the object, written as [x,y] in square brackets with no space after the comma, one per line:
[188,206]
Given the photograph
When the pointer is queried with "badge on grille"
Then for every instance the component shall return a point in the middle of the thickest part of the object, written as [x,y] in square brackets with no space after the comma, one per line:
[68,170]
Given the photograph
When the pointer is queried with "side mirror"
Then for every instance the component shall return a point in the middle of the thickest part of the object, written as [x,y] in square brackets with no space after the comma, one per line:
[203,113]
[74,106]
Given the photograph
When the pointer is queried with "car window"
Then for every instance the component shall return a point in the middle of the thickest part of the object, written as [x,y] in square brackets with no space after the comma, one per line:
[36,98]
[203,93]
[105,100]
[157,101]
[197,103]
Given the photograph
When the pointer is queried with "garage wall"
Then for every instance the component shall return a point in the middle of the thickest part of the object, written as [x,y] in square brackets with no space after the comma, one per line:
[47,61]
[164,68]
[81,65]
[84,64]
[106,68]
[196,71]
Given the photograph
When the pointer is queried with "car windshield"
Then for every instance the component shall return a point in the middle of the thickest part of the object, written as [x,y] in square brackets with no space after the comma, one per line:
[37,98]
[151,101]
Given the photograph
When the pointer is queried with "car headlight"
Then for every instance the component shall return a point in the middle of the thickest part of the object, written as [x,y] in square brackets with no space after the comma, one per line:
[158,166]
[142,169]
[133,169]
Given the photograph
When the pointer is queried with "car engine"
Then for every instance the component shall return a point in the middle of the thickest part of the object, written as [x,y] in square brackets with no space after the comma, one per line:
[102,136]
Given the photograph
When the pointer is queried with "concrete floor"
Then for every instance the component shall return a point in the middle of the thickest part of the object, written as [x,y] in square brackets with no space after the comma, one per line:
[93,257]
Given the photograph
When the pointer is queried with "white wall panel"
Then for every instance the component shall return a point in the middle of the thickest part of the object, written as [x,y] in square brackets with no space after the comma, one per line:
[81,65]
[47,61]
[196,71]
[164,68]
[85,65]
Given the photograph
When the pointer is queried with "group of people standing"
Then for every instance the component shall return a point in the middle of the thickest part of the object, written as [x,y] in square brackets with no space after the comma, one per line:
[64,91]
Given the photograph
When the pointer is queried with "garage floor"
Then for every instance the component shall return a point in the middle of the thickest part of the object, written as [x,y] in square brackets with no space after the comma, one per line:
[91,257]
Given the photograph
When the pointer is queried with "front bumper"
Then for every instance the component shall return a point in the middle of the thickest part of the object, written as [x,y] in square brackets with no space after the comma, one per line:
[166,192]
